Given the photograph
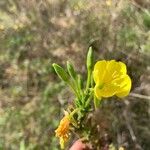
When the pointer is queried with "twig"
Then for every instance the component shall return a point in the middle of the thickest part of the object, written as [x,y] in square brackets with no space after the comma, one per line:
[139,96]
[128,124]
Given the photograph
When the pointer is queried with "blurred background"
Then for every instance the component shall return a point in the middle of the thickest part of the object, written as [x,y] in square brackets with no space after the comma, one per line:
[36,33]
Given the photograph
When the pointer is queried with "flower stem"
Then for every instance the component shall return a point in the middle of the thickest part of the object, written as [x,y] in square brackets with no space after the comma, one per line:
[97,102]
[88,84]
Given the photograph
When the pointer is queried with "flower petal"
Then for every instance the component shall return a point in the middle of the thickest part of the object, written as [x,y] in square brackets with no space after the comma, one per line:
[99,70]
[114,70]
[123,68]
[125,87]
[107,91]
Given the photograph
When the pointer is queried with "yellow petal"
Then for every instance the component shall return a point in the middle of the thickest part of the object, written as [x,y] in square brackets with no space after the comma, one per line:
[114,70]
[123,68]
[97,92]
[107,91]
[109,71]
[99,70]
[125,87]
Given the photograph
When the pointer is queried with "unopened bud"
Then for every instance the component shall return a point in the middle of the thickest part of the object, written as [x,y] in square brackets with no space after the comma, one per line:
[90,58]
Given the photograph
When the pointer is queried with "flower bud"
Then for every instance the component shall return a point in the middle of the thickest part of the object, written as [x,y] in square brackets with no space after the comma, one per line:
[90,58]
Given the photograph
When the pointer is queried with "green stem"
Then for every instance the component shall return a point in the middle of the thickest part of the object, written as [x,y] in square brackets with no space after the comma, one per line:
[79,91]
[96,102]
[88,84]
[89,99]
[73,121]
[74,89]
[73,112]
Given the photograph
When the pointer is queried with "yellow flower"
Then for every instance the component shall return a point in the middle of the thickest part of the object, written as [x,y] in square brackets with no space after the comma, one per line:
[63,130]
[111,79]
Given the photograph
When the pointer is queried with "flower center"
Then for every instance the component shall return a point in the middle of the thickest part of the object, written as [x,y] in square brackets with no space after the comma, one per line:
[101,85]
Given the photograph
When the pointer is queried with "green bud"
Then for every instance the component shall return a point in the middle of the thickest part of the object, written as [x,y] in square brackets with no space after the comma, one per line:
[61,72]
[71,70]
[90,59]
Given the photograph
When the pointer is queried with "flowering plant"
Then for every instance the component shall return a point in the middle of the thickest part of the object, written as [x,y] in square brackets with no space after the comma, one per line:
[104,79]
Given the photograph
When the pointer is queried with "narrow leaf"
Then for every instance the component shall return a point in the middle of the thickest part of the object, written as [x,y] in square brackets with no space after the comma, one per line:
[71,70]
[61,73]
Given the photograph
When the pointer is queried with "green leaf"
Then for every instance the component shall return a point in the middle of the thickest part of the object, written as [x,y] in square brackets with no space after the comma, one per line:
[62,74]
[80,81]
[71,70]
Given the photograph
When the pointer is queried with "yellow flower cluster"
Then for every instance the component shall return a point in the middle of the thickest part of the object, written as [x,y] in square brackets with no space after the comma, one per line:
[111,79]
[63,130]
